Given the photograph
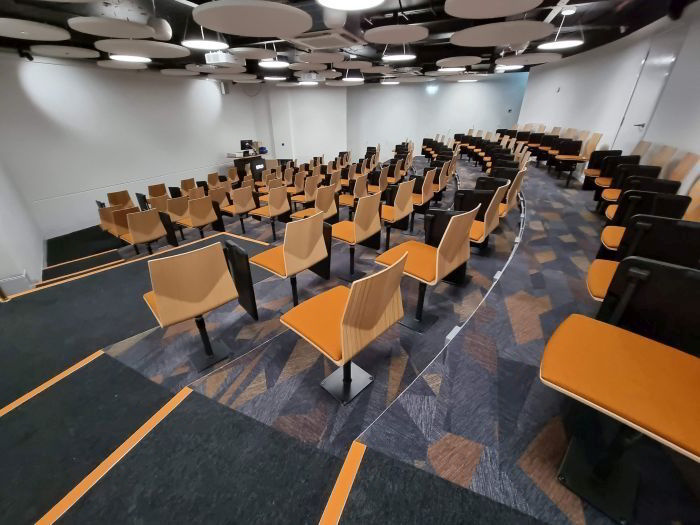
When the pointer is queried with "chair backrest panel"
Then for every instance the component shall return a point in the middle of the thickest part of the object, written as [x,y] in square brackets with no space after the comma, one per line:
[360,189]
[145,226]
[120,198]
[187,184]
[454,249]
[243,199]
[374,305]
[491,214]
[159,203]
[219,195]
[120,218]
[367,221]
[403,202]
[177,208]
[277,201]
[213,179]
[157,190]
[304,244]
[201,211]
[196,193]
[191,284]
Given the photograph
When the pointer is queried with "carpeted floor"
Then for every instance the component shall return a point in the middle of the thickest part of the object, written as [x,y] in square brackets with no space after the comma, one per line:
[78,244]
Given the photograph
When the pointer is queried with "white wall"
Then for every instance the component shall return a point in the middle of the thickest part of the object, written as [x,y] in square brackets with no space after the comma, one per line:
[72,133]
[21,243]
[591,90]
[391,114]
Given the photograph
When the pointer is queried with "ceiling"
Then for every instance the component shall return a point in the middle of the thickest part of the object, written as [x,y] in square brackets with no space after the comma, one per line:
[597,22]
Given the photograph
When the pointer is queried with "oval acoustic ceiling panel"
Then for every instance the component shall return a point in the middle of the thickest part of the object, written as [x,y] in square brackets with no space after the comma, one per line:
[528,59]
[307,66]
[142,48]
[502,33]
[480,9]
[342,83]
[415,79]
[320,57]
[236,77]
[116,64]
[460,61]
[380,70]
[253,18]
[28,30]
[203,68]
[330,73]
[175,72]
[252,53]
[396,34]
[110,27]
[47,50]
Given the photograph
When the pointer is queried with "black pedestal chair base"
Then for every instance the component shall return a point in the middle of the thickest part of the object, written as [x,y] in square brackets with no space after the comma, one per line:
[347,382]
[374,242]
[212,354]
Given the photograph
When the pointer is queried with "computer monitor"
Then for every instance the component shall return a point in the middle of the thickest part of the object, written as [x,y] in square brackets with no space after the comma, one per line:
[246,144]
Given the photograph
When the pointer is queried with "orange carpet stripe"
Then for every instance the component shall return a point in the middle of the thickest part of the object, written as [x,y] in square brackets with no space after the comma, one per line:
[103,468]
[343,485]
[48,384]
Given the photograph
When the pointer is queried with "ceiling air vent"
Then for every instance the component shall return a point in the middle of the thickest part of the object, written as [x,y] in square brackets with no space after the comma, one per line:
[329,39]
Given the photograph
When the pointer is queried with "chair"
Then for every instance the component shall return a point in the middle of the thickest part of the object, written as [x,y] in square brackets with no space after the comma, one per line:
[307,245]
[213,180]
[488,192]
[233,176]
[310,189]
[395,174]
[421,201]
[429,264]
[608,168]
[147,227]
[220,196]
[120,224]
[187,185]
[121,199]
[364,230]
[641,148]
[511,195]
[352,318]
[359,190]
[157,190]
[683,167]
[242,203]
[673,241]
[398,208]
[639,202]
[594,167]
[298,186]
[189,285]
[277,207]
[265,190]
[159,203]
[325,203]
[197,193]
[201,212]
[382,183]
[610,195]
[443,179]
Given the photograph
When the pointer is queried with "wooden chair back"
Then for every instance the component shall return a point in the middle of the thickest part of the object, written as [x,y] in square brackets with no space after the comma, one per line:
[186,185]
[383,179]
[427,191]
[107,218]
[219,195]
[583,135]
[325,201]
[299,181]
[403,203]
[248,181]
[177,208]
[191,284]
[524,160]
[641,148]
[591,145]
[555,131]
[213,179]
[157,190]
[159,203]
[444,177]
[196,193]
[243,199]
[289,176]
[374,305]
[121,223]
[514,188]
[274,183]
[145,226]
[453,250]
[304,244]
[360,189]
[693,211]
[311,187]
[233,175]
[367,221]
[491,216]
[684,166]
[661,156]
[120,198]
[277,201]
[201,211]
[335,181]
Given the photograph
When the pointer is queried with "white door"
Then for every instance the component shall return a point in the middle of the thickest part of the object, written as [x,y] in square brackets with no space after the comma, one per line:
[663,52]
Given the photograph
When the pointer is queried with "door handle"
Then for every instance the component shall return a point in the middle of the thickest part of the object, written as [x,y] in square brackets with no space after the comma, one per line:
[643,124]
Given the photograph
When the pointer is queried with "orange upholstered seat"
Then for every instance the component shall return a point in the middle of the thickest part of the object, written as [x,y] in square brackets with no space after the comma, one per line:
[388,213]
[420,263]
[328,306]
[272,259]
[650,386]
[502,209]
[600,275]
[612,236]
[345,231]
[476,233]
[263,211]
[591,172]
[610,211]
[611,194]
[603,182]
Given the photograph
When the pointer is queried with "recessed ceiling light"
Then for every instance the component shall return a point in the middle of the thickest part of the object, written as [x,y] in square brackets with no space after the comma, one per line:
[208,45]
[399,57]
[511,67]
[308,83]
[273,63]
[350,5]
[467,80]
[568,11]
[353,75]
[560,44]
[273,78]
[130,58]
[353,79]
[452,69]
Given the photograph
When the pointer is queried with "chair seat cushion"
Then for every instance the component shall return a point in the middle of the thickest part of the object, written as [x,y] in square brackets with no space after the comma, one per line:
[303,214]
[417,199]
[610,211]
[344,231]
[603,182]
[272,259]
[264,198]
[293,190]
[502,210]
[372,188]
[345,182]
[649,385]
[387,213]
[612,236]
[393,180]
[263,211]
[150,298]
[571,158]
[591,172]
[329,307]
[301,198]
[346,200]
[420,263]
[611,194]
[599,277]
[476,233]
[186,221]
